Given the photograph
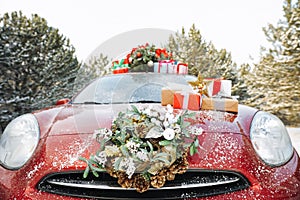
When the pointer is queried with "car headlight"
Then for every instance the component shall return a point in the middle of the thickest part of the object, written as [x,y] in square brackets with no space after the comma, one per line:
[19,141]
[270,139]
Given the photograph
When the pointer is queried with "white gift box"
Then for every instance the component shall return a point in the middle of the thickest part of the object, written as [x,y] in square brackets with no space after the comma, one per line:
[218,87]
[170,67]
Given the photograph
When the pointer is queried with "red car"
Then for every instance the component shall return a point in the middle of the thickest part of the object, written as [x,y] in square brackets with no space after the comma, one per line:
[244,155]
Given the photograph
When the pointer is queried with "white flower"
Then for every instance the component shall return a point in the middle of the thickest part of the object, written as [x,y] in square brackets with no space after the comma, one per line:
[169,108]
[127,164]
[172,119]
[196,130]
[103,132]
[101,158]
[169,134]
[166,124]
[153,120]
[132,146]
[130,171]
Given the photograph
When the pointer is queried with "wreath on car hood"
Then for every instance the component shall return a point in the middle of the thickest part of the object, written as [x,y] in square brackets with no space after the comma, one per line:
[145,147]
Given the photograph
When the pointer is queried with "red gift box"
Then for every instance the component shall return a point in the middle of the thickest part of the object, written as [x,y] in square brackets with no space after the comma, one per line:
[120,71]
[119,68]
[186,100]
[167,96]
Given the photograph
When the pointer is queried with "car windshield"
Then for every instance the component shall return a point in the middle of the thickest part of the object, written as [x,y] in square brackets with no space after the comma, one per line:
[131,88]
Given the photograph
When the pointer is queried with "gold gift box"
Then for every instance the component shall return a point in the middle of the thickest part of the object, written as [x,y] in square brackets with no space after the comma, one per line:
[220,104]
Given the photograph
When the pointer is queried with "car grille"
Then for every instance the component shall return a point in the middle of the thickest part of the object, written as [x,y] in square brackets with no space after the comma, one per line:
[192,184]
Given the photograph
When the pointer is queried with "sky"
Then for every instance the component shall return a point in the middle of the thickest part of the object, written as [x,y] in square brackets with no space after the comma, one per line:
[235,25]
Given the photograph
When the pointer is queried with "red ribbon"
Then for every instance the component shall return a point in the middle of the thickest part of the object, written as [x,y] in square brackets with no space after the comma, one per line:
[181,64]
[164,62]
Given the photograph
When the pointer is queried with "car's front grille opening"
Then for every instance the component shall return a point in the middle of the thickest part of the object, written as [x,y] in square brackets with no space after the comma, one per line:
[193,183]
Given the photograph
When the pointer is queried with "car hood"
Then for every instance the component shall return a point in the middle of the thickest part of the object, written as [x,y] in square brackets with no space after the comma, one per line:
[67,133]
[84,119]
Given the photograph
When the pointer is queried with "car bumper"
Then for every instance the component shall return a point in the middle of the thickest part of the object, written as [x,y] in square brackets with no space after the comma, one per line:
[288,188]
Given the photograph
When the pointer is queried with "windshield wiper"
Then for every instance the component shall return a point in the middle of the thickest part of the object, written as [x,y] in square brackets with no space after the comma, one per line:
[93,102]
[145,101]
[106,103]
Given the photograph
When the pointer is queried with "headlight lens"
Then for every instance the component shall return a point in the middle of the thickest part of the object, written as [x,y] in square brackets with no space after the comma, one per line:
[270,139]
[19,141]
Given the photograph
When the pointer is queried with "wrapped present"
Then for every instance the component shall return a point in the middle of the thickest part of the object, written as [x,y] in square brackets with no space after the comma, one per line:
[120,67]
[220,104]
[167,96]
[218,87]
[170,67]
[165,66]
[182,68]
[187,100]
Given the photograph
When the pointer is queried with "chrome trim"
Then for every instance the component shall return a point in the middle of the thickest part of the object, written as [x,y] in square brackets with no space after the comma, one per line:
[105,187]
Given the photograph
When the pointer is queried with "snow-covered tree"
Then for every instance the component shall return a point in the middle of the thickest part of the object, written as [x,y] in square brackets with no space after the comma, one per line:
[274,85]
[204,58]
[37,65]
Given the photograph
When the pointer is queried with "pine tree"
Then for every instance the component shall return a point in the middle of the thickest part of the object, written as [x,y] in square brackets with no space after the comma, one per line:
[204,58]
[274,85]
[38,65]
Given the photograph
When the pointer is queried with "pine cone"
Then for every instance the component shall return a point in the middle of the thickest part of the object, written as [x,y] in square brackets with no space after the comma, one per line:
[170,176]
[112,172]
[158,181]
[124,181]
[180,165]
[140,183]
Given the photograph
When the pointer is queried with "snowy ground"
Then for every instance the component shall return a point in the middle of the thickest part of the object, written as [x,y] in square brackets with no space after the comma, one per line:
[295,137]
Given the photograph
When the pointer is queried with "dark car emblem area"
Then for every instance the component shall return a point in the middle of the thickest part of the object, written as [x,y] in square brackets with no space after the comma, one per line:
[193,183]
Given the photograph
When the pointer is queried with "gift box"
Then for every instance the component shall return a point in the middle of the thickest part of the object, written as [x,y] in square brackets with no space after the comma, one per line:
[187,100]
[218,87]
[170,67]
[120,67]
[165,66]
[220,104]
[167,96]
[182,68]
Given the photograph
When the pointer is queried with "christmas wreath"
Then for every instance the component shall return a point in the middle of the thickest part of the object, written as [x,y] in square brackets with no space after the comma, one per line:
[145,147]
[147,54]
[141,58]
